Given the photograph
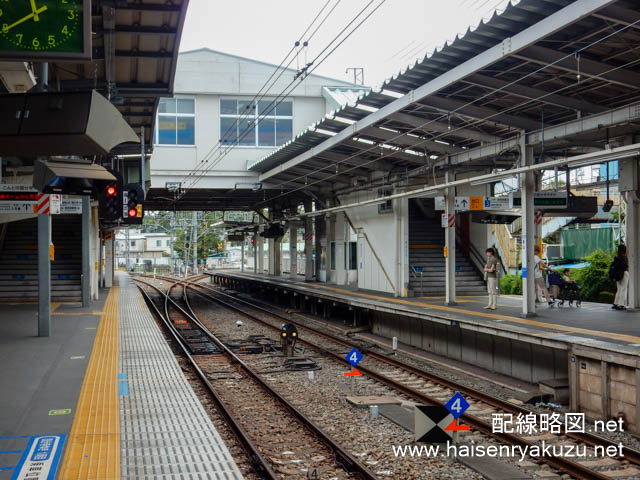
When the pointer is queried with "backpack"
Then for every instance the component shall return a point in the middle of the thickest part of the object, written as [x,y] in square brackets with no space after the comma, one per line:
[615,272]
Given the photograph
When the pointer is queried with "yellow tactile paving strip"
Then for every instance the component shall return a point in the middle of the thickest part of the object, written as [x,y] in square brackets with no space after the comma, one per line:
[93,448]
[507,318]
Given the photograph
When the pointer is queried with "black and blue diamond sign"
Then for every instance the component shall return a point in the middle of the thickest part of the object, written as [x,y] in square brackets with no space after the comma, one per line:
[457,405]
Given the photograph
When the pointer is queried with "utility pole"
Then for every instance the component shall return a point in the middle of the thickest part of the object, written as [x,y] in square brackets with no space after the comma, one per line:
[194,241]
[358,75]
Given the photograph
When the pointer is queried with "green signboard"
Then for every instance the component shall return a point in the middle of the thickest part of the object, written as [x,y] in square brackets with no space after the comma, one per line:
[45,29]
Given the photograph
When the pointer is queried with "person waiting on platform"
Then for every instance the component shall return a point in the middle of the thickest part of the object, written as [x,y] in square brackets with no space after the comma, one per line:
[539,279]
[491,276]
[619,272]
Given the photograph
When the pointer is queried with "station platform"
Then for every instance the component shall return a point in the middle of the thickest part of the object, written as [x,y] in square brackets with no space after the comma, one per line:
[103,397]
[587,357]
[592,323]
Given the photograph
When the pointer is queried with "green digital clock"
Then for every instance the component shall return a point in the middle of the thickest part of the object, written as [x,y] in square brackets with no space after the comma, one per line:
[45,29]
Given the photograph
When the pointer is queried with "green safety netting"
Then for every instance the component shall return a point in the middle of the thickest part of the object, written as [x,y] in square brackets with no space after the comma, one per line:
[580,242]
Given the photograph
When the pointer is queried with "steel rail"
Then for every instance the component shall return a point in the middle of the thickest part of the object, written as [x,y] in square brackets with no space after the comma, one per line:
[260,464]
[344,458]
[572,468]
[588,438]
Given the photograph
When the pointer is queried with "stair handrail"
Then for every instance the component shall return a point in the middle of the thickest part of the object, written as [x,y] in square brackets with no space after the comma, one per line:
[415,272]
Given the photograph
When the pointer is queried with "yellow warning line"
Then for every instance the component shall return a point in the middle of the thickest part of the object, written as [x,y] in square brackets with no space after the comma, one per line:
[523,321]
[93,449]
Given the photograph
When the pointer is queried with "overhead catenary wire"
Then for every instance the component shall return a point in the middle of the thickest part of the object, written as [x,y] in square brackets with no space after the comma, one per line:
[260,95]
[302,75]
[445,115]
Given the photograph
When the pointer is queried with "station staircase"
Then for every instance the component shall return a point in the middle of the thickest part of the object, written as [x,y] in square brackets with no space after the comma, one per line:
[427,275]
[19,260]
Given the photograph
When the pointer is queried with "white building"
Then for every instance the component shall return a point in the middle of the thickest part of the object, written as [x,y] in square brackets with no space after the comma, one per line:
[153,248]
[214,108]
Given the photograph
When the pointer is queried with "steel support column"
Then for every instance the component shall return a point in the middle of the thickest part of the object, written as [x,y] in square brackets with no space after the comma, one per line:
[450,242]
[242,248]
[308,244]
[633,246]
[86,251]
[293,252]
[528,232]
[44,276]
[260,247]
[108,259]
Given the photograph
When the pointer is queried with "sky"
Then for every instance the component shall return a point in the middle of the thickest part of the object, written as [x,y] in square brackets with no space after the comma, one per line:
[392,38]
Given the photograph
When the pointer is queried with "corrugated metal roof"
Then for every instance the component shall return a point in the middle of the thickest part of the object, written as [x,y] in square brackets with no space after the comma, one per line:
[486,107]
[514,18]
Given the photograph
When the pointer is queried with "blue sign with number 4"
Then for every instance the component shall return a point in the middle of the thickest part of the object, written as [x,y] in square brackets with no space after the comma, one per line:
[457,405]
[354,357]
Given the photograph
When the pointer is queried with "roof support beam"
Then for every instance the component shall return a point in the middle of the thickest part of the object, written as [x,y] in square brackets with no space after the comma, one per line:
[426,124]
[556,133]
[619,15]
[534,93]
[479,113]
[394,138]
[568,15]
[590,68]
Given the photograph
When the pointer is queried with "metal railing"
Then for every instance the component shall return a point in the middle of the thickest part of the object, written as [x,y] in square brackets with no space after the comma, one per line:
[414,272]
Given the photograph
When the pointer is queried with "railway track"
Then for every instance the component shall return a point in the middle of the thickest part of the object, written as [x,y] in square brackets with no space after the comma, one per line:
[278,438]
[431,389]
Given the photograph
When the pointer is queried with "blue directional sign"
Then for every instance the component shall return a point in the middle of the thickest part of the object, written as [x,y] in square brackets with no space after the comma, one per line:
[354,357]
[457,405]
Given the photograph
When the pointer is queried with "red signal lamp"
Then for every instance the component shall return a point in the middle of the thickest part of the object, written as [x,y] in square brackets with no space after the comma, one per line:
[111,191]
[132,212]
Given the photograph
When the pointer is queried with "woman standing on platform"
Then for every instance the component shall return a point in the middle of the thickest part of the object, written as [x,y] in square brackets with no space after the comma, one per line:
[490,274]
[622,280]
[538,278]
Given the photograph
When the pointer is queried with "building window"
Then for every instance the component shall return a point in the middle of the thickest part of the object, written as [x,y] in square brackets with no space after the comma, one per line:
[332,256]
[353,256]
[265,123]
[158,243]
[176,123]
[168,243]
[133,243]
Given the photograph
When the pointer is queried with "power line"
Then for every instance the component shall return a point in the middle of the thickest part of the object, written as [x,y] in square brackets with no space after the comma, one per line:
[444,116]
[302,75]
[258,96]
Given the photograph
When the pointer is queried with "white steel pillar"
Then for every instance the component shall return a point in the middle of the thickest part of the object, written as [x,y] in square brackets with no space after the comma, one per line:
[86,251]
[242,254]
[401,210]
[308,244]
[633,246]
[293,252]
[450,241]
[108,259]
[260,247]
[44,276]
[528,232]
[340,237]
[255,252]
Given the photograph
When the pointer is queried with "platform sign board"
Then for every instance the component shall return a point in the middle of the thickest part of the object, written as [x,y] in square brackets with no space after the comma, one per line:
[551,200]
[476,203]
[71,206]
[461,204]
[498,203]
[40,458]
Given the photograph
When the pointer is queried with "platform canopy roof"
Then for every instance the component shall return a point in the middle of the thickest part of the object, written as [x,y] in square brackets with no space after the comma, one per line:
[538,63]
[135,50]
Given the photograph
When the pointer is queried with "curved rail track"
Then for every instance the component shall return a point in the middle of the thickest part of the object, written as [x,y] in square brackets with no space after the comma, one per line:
[418,385]
[258,415]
